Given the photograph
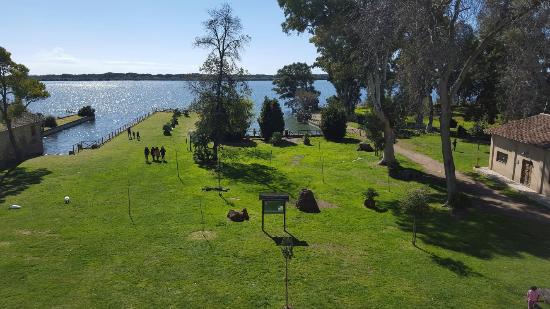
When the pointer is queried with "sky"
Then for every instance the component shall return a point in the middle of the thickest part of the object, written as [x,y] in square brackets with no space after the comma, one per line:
[140,36]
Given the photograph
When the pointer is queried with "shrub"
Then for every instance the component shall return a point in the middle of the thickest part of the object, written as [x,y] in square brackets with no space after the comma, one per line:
[307,140]
[202,154]
[415,203]
[177,113]
[461,132]
[453,123]
[167,128]
[86,111]
[50,122]
[186,113]
[271,118]
[334,120]
[478,130]
[174,122]
[276,138]
[370,194]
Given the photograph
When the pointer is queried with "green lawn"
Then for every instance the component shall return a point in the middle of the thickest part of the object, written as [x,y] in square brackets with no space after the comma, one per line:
[91,253]
[465,157]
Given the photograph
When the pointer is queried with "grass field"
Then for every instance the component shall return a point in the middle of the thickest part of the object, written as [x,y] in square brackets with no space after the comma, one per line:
[465,157]
[132,234]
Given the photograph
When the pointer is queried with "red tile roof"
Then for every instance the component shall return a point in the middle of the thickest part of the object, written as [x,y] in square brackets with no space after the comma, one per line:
[534,130]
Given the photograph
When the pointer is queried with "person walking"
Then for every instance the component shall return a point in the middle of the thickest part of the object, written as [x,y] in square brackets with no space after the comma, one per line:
[153,154]
[146,152]
[137,135]
[162,152]
[157,154]
[533,298]
[454,144]
[134,134]
[129,133]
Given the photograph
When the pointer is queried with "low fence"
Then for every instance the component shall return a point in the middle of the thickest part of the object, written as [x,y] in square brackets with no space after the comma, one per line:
[287,133]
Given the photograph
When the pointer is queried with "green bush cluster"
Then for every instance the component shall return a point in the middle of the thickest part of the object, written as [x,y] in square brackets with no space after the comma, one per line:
[333,120]
[50,122]
[276,138]
[86,111]
[271,118]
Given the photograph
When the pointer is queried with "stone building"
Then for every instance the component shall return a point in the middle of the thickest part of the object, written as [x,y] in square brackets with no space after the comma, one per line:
[27,130]
[520,151]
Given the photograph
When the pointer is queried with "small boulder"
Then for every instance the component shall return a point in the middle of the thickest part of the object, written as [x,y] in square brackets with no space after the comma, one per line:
[365,147]
[238,216]
[14,207]
[306,202]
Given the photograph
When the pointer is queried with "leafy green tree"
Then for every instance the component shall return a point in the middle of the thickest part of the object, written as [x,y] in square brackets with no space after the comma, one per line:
[415,203]
[294,84]
[271,118]
[221,92]
[304,104]
[333,120]
[240,118]
[16,87]
[374,131]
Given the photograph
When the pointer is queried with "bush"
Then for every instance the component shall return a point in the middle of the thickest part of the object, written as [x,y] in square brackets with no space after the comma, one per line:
[478,130]
[333,120]
[307,140]
[177,113]
[239,118]
[185,113]
[174,122]
[276,138]
[202,154]
[415,203]
[453,123]
[86,111]
[50,122]
[370,194]
[167,128]
[461,132]
[271,118]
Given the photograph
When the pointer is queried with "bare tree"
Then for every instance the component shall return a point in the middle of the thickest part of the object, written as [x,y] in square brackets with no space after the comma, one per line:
[222,84]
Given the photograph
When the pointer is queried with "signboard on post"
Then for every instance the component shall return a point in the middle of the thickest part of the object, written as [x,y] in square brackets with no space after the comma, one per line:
[274,203]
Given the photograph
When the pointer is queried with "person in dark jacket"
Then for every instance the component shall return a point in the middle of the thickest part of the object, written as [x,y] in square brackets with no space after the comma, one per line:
[137,135]
[146,152]
[129,133]
[153,153]
[162,152]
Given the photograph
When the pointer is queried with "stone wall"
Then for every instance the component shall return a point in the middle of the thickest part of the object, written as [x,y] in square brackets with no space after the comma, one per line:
[29,141]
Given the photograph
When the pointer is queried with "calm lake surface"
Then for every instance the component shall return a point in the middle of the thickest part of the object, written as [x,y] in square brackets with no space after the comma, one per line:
[119,102]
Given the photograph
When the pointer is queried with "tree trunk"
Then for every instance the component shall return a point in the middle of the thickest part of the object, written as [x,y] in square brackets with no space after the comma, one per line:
[18,156]
[429,126]
[389,139]
[420,114]
[414,231]
[448,162]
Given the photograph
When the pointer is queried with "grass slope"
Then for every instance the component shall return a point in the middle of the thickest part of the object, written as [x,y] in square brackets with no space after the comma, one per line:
[90,254]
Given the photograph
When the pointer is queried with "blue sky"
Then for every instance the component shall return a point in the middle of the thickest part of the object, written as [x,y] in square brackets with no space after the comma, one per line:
[143,36]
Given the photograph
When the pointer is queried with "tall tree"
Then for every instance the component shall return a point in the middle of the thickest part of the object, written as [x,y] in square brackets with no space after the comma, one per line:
[271,118]
[294,84]
[16,88]
[222,86]
[442,28]
[369,36]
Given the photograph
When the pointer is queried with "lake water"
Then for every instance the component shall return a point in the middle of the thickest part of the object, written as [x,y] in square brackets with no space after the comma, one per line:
[119,102]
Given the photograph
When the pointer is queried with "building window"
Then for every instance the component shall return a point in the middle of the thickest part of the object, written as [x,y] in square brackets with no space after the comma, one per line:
[502,157]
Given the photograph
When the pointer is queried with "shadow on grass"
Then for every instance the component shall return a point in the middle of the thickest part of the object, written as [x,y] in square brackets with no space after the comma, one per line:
[480,233]
[291,239]
[18,179]
[345,140]
[255,173]
[456,266]
[285,143]
[244,143]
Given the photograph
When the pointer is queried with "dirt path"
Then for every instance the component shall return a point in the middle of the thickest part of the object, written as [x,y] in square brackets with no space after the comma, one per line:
[487,198]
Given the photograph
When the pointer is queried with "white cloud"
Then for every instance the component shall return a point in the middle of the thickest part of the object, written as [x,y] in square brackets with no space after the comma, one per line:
[55,55]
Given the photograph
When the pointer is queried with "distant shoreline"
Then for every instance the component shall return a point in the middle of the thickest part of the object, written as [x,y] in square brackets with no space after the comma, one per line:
[149,77]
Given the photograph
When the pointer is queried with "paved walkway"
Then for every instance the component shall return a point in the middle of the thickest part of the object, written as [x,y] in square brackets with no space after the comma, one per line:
[488,199]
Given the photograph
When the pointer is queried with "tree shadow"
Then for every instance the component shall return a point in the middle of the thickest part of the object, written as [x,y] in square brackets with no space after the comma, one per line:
[255,173]
[345,140]
[285,143]
[244,143]
[483,231]
[456,266]
[18,179]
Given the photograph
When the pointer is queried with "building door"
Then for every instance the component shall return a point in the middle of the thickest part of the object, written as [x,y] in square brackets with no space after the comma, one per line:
[526,171]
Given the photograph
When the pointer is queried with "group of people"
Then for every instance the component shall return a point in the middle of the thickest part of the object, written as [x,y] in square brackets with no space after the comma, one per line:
[133,134]
[156,154]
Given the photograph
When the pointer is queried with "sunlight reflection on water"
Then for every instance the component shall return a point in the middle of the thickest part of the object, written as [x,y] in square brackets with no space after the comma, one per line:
[119,102]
